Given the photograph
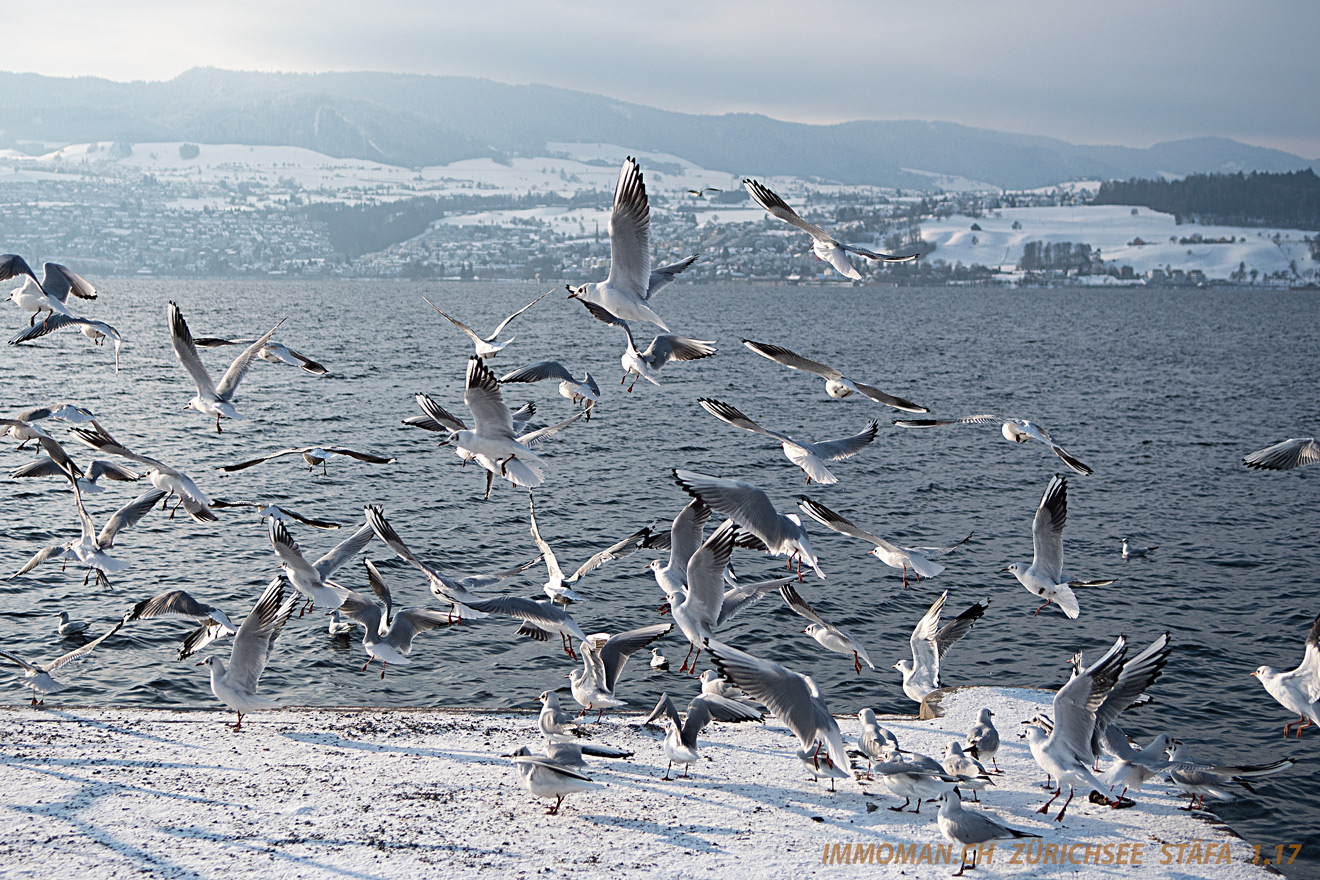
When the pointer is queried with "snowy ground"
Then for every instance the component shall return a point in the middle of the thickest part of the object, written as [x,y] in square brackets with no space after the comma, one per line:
[375,794]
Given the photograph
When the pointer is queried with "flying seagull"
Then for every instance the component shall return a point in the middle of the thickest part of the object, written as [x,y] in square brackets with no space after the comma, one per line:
[837,385]
[313,455]
[1044,577]
[811,457]
[212,398]
[487,347]
[1017,430]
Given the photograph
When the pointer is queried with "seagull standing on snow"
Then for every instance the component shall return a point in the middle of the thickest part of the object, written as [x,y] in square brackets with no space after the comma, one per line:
[1298,690]
[837,385]
[39,678]
[547,778]
[1044,577]
[487,347]
[212,398]
[983,739]
[631,282]
[236,685]
[823,245]
[971,829]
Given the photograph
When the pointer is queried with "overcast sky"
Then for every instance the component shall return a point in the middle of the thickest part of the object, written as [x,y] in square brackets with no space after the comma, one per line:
[1131,72]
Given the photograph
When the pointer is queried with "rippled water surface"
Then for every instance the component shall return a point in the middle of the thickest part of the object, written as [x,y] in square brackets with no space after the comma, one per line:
[1161,392]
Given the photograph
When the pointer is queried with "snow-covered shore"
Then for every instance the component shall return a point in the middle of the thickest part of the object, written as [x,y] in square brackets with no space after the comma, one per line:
[371,793]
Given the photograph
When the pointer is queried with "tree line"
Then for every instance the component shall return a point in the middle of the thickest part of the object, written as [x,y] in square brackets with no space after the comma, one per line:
[1290,200]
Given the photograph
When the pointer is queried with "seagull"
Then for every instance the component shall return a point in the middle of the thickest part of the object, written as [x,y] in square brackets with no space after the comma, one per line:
[487,347]
[892,555]
[274,352]
[454,591]
[663,349]
[547,778]
[658,660]
[1298,690]
[632,282]
[90,547]
[275,511]
[212,623]
[1130,552]
[583,391]
[444,421]
[929,641]
[751,509]
[876,743]
[313,455]
[701,193]
[919,777]
[87,481]
[212,399]
[1131,768]
[837,385]
[703,605]
[811,457]
[685,535]
[1017,430]
[1065,751]
[823,245]
[969,771]
[39,677]
[492,434]
[556,724]
[48,295]
[680,745]
[1137,675]
[170,481]
[236,685]
[312,580]
[338,626]
[793,698]
[540,620]
[558,587]
[97,331]
[971,829]
[1044,577]
[1200,779]
[602,664]
[830,637]
[1285,455]
[388,637]
[70,628]
[983,739]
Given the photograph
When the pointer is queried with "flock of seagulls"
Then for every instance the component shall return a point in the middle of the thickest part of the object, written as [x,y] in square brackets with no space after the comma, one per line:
[700,589]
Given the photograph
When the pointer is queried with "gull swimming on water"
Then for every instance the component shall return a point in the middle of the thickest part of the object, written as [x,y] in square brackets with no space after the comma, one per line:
[1017,430]
[829,636]
[583,391]
[312,455]
[663,349]
[837,385]
[658,660]
[811,457]
[632,282]
[69,628]
[170,481]
[892,555]
[1044,577]
[825,246]
[236,684]
[487,347]
[929,642]
[212,398]
[752,509]
[388,637]
[39,677]
[1130,552]
[1285,455]
[274,352]
[1299,689]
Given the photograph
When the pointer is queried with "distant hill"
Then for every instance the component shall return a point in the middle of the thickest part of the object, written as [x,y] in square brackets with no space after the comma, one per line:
[413,120]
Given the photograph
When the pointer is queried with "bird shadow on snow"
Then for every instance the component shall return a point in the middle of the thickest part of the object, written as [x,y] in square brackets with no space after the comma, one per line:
[275,848]
[109,787]
[334,741]
[110,727]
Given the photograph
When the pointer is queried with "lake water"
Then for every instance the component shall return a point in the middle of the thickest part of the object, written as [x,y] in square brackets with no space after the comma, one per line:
[1161,392]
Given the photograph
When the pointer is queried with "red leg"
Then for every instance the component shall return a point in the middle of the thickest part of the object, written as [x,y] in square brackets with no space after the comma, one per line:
[684,667]
[1059,818]
[1045,808]
[1038,610]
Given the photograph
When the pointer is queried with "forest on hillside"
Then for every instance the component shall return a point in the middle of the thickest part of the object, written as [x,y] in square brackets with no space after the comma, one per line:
[1288,200]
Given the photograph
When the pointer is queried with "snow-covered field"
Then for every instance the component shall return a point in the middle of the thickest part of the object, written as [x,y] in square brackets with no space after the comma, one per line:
[378,794]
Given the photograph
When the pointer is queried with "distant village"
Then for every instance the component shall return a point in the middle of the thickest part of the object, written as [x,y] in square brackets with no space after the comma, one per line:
[109,218]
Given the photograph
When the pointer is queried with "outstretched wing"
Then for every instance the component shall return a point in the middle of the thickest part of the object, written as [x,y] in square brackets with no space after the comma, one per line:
[792,360]
[779,208]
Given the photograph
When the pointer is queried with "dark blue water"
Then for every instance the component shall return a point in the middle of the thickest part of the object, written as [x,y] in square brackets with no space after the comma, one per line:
[1161,392]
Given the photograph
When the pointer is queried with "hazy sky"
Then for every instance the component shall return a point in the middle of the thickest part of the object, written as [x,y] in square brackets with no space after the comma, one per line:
[1130,72]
